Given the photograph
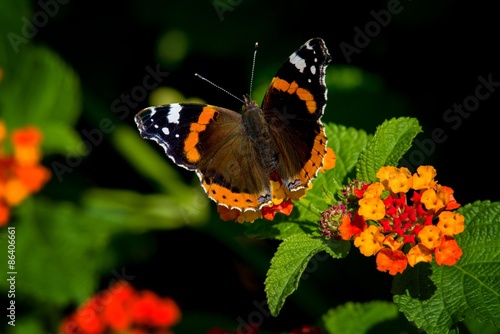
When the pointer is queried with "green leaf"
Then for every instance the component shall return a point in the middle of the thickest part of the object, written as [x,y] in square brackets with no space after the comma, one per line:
[40,89]
[371,317]
[347,144]
[437,297]
[127,210]
[145,156]
[280,228]
[289,262]
[390,142]
[58,253]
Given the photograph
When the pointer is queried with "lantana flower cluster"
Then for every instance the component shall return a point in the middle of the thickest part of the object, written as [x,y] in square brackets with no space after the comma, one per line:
[403,219]
[123,309]
[281,199]
[21,173]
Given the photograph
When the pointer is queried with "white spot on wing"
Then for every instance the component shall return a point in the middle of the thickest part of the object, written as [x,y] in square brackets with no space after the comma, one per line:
[174,113]
[298,61]
[165,130]
[313,69]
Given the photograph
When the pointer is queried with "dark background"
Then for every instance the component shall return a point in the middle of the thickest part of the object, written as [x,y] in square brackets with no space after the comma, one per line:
[430,54]
[429,57]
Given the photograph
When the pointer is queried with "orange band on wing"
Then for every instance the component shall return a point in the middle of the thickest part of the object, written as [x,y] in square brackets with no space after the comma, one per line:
[293,88]
[315,162]
[233,200]
[206,115]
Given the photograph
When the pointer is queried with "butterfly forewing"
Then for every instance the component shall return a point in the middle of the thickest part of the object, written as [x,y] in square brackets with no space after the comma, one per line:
[294,104]
[211,141]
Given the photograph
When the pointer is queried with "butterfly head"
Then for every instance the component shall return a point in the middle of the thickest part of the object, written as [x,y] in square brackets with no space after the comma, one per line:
[249,104]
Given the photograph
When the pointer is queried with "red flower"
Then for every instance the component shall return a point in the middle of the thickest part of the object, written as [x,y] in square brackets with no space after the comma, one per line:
[121,309]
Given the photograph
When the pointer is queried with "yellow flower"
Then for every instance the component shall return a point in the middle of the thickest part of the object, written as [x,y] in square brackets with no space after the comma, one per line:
[451,223]
[397,180]
[370,241]
[385,173]
[374,190]
[431,200]
[419,253]
[371,208]
[430,236]
[424,178]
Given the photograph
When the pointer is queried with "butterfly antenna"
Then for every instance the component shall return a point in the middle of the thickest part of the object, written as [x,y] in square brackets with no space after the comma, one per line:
[253,69]
[219,87]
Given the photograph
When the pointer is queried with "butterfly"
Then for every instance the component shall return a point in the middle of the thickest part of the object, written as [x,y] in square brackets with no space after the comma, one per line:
[236,155]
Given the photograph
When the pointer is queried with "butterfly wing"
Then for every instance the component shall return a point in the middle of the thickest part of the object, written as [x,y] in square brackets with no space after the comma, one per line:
[211,141]
[293,106]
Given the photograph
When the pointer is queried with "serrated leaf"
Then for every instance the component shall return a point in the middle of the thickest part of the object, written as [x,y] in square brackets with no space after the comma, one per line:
[347,143]
[289,263]
[437,297]
[280,228]
[355,318]
[391,141]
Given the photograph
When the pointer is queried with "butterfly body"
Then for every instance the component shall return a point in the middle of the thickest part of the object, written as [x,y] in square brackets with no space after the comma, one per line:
[236,156]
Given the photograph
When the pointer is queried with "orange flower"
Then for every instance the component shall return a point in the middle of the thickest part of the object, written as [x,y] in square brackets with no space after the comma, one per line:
[448,252]
[284,207]
[393,244]
[151,310]
[26,145]
[20,173]
[350,228]
[392,261]
[330,160]
[121,308]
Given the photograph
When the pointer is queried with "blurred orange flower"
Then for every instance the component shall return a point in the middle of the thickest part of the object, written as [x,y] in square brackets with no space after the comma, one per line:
[21,173]
[123,309]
